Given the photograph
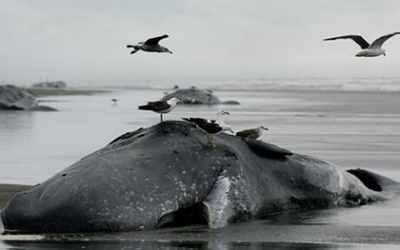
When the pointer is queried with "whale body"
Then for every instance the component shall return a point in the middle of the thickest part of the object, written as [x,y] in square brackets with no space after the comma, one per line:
[14,98]
[167,174]
[195,96]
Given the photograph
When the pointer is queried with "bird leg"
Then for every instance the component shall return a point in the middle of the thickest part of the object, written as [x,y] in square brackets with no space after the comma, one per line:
[161,117]
[210,141]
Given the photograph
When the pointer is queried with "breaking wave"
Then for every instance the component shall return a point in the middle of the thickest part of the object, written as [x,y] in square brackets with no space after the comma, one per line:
[317,84]
[265,84]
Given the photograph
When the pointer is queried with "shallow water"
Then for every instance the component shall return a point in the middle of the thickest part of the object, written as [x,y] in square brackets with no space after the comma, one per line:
[347,129]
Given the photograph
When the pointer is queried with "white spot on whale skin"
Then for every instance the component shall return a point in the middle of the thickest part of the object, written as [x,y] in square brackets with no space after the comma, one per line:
[341,180]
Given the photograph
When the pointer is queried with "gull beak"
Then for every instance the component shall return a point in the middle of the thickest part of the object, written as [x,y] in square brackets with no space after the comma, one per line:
[384,54]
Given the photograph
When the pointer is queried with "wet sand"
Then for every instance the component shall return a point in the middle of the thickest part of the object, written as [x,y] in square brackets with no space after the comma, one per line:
[350,129]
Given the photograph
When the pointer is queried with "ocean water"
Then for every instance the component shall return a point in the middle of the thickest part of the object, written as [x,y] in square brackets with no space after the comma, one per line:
[346,125]
[382,84]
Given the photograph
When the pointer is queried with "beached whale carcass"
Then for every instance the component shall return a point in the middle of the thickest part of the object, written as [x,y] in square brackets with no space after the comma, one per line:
[195,96]
[14,98]
[167,174]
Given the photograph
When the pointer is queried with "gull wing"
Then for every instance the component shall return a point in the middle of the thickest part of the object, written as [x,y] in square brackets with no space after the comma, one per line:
[246,132]
[196,120]
[356,38]
[155,106]
[378,42]
[159,105]
[154,41]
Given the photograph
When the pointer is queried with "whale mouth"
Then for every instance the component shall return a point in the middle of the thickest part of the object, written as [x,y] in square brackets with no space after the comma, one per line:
[367,179]
[214,210]
[191,215]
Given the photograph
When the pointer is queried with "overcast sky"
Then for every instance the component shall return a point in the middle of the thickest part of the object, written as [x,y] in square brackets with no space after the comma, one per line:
[85,42]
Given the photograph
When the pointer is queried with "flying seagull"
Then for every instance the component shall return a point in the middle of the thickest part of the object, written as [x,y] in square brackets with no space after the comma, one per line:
[368,50]
[252,133]
[150,45]
[161,106]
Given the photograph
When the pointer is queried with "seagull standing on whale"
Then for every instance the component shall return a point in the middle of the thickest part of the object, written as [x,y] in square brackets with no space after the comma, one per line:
[161,107]
[368,50]
[221,113]
[150,45]
[252,133]
[211,126]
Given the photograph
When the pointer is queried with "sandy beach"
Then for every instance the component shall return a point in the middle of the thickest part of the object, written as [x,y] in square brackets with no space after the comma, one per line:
[350,129]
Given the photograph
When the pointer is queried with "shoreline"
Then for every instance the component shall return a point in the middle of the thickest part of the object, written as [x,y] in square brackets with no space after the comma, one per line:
[44,92]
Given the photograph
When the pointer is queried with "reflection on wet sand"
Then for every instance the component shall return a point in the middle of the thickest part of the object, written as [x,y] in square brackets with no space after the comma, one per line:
[178,245]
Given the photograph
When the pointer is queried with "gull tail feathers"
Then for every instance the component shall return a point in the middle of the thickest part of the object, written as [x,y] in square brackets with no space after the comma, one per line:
[145,107]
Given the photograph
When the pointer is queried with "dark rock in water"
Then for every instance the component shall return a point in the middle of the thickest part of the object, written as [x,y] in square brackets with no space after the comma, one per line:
[196,96]
[230,102]
[13,98]
[54,84]
[42,108]
[168,175]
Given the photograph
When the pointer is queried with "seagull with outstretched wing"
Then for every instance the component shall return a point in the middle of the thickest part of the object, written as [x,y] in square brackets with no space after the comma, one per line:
[150,45]
[368,50]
